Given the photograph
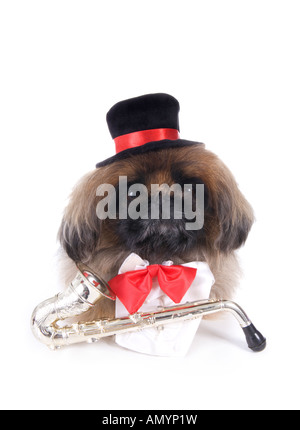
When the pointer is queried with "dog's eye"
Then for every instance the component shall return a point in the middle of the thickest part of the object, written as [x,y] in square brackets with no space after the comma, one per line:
[132,195]
[188,188]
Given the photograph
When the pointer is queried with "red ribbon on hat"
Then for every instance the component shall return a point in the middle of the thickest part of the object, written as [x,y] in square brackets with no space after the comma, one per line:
[133,287]
[138,138]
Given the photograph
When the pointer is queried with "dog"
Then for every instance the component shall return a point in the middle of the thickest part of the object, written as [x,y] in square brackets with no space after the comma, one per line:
[103,244]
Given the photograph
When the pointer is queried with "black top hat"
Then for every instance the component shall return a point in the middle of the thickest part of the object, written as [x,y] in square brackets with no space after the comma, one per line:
[144,124]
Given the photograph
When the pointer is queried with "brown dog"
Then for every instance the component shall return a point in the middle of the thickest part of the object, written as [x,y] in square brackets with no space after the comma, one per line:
[104,244]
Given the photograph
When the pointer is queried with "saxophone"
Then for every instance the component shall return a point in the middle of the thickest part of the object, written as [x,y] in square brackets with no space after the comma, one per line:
[88,288]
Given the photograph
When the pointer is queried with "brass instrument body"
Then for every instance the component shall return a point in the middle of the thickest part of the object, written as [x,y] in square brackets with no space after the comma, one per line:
[85,291]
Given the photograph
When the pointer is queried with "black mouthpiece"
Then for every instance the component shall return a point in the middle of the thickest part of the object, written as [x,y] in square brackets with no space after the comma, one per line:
[254,338]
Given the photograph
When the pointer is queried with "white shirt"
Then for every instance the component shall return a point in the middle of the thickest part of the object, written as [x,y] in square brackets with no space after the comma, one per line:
[171,339]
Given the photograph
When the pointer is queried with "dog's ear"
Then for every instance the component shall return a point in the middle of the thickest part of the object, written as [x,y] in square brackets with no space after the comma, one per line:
[232,213]
[79,232]
[79,241]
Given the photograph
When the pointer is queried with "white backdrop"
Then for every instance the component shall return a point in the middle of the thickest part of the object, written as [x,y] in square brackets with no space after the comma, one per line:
[234,67]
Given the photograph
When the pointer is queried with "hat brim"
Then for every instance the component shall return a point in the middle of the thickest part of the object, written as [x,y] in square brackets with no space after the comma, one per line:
[146,148]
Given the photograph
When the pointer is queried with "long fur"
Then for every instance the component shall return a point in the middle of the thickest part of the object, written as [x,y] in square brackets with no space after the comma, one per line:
[104,244]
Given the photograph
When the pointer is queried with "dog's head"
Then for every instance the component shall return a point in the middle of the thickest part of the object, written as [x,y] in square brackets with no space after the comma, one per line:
[219,220]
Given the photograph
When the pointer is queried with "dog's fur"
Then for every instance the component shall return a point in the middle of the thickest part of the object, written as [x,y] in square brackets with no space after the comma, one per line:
[104,244]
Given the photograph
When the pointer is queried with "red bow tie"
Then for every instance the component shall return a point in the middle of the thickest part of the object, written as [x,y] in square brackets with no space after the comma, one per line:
[132,288]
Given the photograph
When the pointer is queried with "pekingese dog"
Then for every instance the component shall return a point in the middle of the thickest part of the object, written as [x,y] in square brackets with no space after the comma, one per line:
[149,151]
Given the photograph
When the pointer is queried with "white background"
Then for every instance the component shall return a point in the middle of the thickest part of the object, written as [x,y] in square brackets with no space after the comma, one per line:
[234,67]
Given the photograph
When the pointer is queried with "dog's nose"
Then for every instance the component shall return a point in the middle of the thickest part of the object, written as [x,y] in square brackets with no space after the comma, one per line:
[164,205]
